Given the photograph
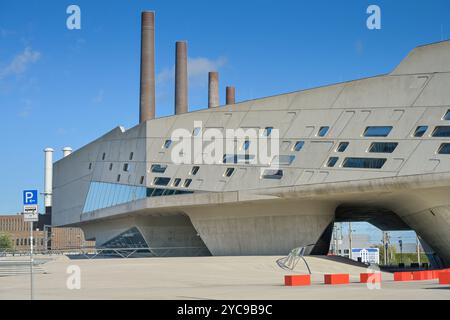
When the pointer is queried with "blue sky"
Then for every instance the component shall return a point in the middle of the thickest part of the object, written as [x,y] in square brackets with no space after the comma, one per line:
[63,87]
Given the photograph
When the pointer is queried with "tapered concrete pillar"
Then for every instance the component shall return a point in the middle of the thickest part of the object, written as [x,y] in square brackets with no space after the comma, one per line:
[231,95]
[181,78]
[213,90]
[147,99]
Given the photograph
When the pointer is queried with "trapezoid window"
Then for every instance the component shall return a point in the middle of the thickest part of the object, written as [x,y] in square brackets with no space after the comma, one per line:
[444,148]
[273,174]
[167,144]
[142,180]
[238,158]
[160,181]
[110,166]
[298,146]
[420,131]
[283,160]
[229,172]
[383,147]
[131,156]
[442,132]
[342,147]
[90,166]
[377,131]
[323,131]
[118,178]
[103,156]
[158,168]
[196,131]
[187,183]
[364,163]
[194,171]
[176,182]
[332,162]
[246,145]
[126,167]
[267,131]
[447,115]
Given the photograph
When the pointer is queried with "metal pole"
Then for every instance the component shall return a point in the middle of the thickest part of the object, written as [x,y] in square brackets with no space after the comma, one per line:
[350,240]
[418,251]
[31,261]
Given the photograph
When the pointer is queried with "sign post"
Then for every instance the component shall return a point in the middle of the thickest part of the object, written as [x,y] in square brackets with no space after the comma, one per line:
[30,214]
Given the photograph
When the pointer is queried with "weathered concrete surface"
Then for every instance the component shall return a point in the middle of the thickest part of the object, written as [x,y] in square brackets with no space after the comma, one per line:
[207,278]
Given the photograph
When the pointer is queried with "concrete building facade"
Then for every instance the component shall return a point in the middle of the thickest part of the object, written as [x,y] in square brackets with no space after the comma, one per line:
[375,150]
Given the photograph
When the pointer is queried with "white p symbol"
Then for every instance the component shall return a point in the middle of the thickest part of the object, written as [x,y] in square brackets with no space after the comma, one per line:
[28,197]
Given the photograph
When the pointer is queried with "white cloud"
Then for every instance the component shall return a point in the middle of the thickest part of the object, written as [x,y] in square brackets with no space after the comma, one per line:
[20,63]
[198,69]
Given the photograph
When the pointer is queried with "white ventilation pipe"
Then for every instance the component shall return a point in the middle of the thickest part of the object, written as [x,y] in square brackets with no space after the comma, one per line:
[48,177]
[67,151]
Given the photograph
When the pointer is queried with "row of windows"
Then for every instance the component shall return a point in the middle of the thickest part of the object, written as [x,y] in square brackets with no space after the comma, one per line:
[156,192]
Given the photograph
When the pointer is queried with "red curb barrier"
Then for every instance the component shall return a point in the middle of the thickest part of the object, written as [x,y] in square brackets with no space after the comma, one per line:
[297,280]
[444,277]
[370,277]
[402,276]
[336,279]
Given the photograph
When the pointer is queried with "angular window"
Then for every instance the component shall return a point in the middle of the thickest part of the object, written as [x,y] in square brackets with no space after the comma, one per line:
[131,156]
[342,147]
[238,158]
[110,166]
[125,167]
[103,156]
[444,148]
[194,171]
[377,131]
[420,131]
[158,168]
[159,181]
[176,182]
[196,131]
[365,163]
[272,174]
[298,146]
[229,172]
[267,131]
[187,183]
[283,160]
[118,178]
[142,180]
[90,166]
[383,147]
[323,131]
[167,144]
[246,145]
[441,131]
[447,115]
[332,162]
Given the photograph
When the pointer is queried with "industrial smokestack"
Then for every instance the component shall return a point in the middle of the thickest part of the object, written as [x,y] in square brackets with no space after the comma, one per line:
[67,151]
[181,78]
[147,99]
[213,90]
[48,178]
[231,95]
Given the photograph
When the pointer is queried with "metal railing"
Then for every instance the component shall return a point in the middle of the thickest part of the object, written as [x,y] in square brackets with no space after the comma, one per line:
[290,262]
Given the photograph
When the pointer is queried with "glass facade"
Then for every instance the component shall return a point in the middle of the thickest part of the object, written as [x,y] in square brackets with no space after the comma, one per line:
[105,195]
[129,239]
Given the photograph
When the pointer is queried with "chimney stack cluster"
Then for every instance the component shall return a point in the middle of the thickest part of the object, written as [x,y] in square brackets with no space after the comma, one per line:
[147,85]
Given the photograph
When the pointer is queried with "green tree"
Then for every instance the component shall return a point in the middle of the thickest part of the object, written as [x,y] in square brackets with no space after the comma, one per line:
[5,241]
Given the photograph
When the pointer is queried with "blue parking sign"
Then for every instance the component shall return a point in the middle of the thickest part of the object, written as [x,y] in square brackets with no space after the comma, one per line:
[30,197]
